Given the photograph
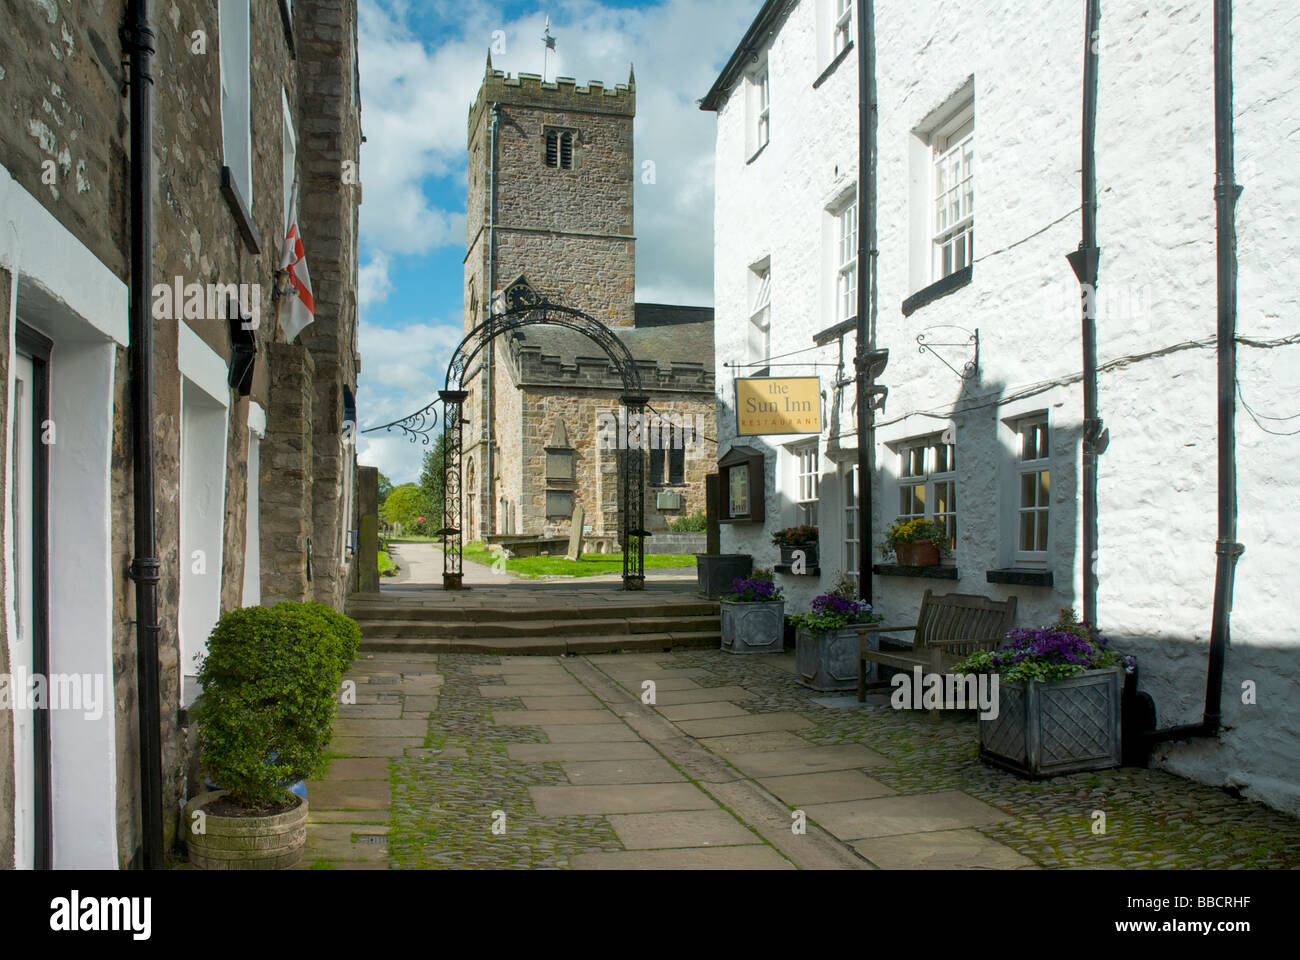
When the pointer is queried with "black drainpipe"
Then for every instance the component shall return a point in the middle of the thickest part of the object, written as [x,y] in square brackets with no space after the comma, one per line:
[866,254]
[137,40]
[1227,549]
[1085,262]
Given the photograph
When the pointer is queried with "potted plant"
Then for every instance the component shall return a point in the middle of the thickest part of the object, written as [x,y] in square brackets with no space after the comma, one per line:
[1058,699]
[802,537]
[916,543]
[753,615]
[270,689]
[826,644]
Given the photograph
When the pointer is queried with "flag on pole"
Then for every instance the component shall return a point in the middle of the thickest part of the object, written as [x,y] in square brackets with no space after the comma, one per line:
[297,307]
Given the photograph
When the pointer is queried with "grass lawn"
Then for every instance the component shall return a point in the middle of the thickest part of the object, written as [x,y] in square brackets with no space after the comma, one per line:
[386,564]
[590,565]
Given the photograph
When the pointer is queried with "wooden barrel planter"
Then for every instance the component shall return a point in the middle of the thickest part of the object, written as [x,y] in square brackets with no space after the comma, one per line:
[272,842]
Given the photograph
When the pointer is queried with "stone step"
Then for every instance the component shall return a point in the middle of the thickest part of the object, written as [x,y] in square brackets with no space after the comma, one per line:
[372,610]
[544,645]
[501,629]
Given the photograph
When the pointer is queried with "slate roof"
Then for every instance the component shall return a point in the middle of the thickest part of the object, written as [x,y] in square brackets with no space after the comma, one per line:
[668,340]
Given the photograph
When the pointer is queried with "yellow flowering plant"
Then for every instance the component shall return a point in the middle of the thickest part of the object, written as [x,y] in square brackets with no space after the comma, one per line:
[915,530]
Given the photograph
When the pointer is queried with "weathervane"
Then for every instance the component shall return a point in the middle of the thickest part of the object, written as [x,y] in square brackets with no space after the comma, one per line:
[549,42]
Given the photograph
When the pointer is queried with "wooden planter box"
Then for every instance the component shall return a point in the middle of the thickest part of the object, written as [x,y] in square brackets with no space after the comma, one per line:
[828,662]
[245,843]
[921,553]
[753,627]
[1048,729]
[809,551]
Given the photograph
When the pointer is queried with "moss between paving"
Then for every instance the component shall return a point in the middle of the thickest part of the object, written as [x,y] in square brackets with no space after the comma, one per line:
[443,809]
[1154,820]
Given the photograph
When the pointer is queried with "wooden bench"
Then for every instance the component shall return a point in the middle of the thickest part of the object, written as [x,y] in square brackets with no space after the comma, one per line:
[947,630]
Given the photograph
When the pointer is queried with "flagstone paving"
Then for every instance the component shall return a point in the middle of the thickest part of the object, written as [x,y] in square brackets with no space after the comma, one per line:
[485,762]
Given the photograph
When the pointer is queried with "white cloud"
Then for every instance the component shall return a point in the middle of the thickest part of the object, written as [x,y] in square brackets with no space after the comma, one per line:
[373,284]
[402,370]
[416,97]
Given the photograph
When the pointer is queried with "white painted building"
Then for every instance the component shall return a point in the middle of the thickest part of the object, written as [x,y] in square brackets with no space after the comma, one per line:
[985,99]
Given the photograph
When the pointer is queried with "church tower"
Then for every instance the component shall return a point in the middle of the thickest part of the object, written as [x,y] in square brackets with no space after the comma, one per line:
[563,175]
[550,200]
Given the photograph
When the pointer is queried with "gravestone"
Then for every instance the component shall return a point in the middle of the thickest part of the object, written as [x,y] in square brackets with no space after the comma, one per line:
[575,534]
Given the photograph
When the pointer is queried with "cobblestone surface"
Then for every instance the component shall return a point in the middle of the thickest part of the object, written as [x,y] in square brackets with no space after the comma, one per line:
[443,809]
[1153,820]
[443,800]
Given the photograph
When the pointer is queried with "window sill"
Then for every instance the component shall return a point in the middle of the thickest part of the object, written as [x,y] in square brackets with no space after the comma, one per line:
[924,573]
[788,569]
[757,153]
[737,520]
[239,209]
[938,289]
[839,58]
[1020,577]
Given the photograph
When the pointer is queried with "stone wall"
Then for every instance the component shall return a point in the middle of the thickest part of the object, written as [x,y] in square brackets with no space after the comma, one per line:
[61,92]
[329,126]
[596,479]
[288,458]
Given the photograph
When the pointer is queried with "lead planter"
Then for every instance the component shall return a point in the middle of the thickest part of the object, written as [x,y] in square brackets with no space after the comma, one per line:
[272,842]
[1048,729]
[716,571]
[753,627]
[828,662]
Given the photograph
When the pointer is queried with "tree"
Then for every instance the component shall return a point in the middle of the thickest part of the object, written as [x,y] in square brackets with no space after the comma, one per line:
[406,505]
[385,488]
[431,475]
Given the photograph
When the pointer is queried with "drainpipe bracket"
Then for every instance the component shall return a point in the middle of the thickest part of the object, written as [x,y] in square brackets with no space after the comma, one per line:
[1228,191]
[1229,548]
[146,570]
[1084,262]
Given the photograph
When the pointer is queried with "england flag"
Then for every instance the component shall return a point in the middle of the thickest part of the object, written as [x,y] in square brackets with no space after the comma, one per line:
[297,308]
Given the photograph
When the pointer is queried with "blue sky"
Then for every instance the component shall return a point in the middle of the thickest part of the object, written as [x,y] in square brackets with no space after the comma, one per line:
[421,65]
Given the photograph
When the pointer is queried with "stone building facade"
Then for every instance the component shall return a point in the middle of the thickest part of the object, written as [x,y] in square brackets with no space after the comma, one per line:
[551,171]
[249,489]
[999,92]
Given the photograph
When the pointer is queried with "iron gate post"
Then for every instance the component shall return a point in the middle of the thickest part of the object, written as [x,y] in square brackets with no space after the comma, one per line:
[452,507]
[632,521]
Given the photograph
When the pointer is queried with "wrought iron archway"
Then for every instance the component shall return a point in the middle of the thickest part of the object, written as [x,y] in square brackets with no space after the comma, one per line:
[531,311]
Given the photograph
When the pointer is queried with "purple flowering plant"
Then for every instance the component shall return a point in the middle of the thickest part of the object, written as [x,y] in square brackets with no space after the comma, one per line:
[1063,649]
[836,610]
[758,587]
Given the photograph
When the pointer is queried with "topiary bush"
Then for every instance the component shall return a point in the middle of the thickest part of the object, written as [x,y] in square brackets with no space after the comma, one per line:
[344,627]
[270,690]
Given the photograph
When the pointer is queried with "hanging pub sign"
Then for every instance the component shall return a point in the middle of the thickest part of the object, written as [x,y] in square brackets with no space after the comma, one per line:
[778,405]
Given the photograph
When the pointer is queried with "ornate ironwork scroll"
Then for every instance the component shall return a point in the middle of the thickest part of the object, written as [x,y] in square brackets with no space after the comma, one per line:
[970,368]
[416,425]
